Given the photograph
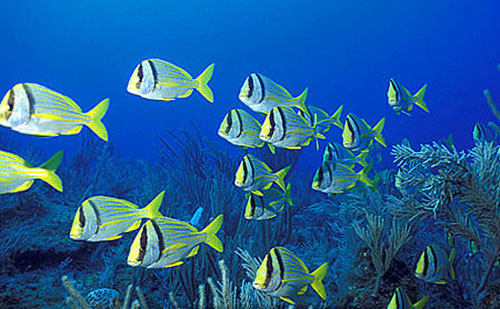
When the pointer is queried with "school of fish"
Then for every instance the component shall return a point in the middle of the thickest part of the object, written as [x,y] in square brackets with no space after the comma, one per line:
[288,123]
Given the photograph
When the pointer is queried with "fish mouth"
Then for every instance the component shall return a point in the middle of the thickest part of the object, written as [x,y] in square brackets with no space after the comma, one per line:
[257,286]
[75,237]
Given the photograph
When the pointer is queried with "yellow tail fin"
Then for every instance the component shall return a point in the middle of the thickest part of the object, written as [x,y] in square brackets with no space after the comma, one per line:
[212,229]
[49,171]
[317,284]
[302,101]
[203,80]
[96,115]
[378,132]
[280,175]
[419,98]
[153,208]
[336,117]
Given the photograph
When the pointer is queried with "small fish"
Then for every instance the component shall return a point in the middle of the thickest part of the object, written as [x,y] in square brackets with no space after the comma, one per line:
[101,218]
[17,175]
[400,300]
[335,152]
[36,110]
[284,128]
[268,206]
[254,175]
[434,265]
[166,242]
[324,121]
[156,79]
[282,274]
[401,100]
[334,177]
[358,135]
[483,134]
[262,94]
[241,129]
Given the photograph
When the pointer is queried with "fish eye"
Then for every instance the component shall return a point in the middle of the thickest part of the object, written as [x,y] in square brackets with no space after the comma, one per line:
[81,218]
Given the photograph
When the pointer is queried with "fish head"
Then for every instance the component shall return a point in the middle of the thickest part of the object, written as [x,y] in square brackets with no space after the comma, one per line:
[322,178]
[273,129]
[251,93]
[146,247]
[264,274]
[422,265]
[253,209]
[142,81]
[230,126]
[351,134]
[85,223]
[15,108]
[244,174]
[393,93]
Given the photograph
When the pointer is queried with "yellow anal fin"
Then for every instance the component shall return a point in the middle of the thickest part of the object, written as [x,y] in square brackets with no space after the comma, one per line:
[258,193]
[193,252]
[174,264]
[288,300]
[302,291]
[166,99]
[440,282]
[73,131]
[25,186]
[298,147]
[134,226]
[187,94]
[113,237]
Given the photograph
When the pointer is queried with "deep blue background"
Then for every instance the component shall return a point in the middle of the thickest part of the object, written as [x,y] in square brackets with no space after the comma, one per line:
[345,51]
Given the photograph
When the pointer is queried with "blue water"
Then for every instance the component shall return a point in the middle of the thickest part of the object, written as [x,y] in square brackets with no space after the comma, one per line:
[344,51]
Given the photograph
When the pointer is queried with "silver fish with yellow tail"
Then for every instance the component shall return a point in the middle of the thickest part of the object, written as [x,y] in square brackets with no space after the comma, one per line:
[284,128]
[262,94]
[282,274]
[241,129]
[157,79]
[434,265]
[323,120]
[37,110]
[358,135]
[166,242]
[254,175]
[402,101]
[268,206]
[334,177]
[102,218]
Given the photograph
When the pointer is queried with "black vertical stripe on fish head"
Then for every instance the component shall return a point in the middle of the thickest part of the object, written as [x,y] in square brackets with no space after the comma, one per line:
[31,99]
[251,86]
[283,122]
[81,218]
[272,124]
[143,244]
[280,264]
[262,87]
[245,170]
[159,235]
[250,171]
[269,270]
[229,119]
[261,198]
[11,101]
[252,206]
[96,213]
[434,257]
[353,127]
[320,176]
[155,74]
[140,73]
[240,127]
[426,264]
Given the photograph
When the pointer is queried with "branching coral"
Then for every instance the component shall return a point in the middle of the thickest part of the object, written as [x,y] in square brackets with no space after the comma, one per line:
[459,187]
[383,246]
